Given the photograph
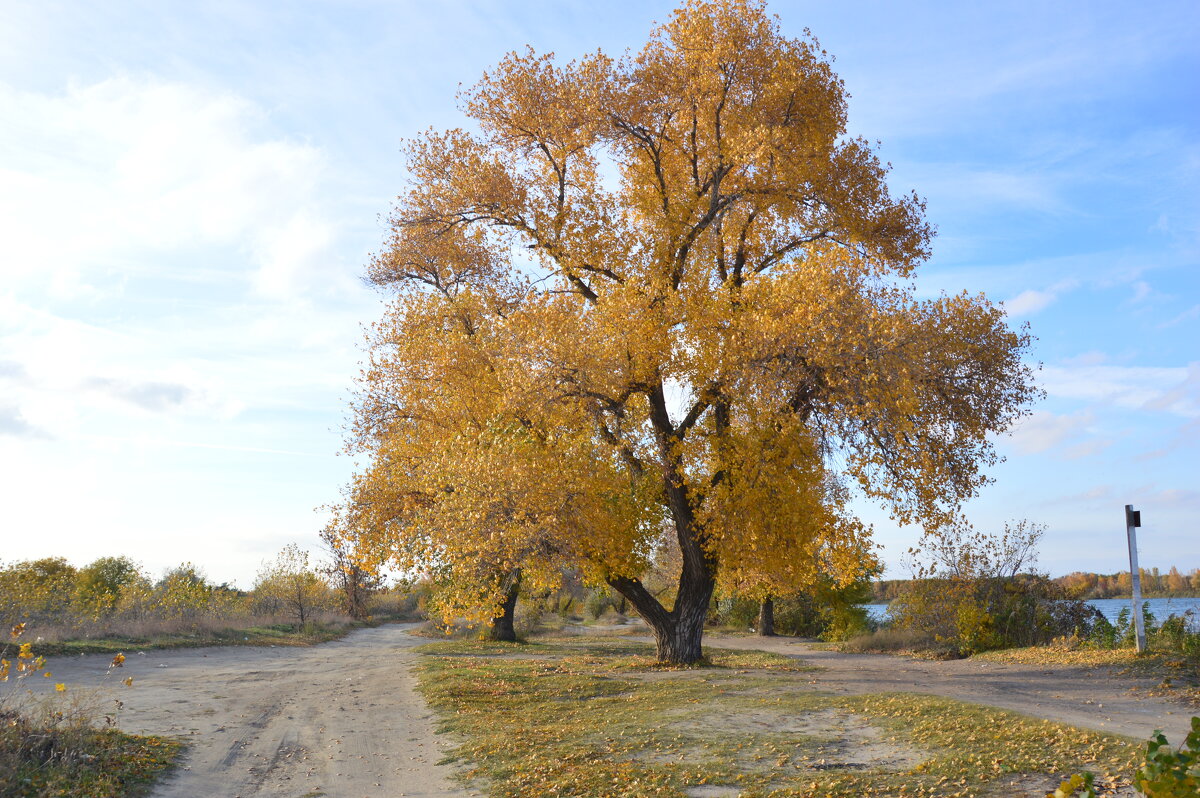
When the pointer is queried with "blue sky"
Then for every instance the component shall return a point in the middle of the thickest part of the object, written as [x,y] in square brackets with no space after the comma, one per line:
[189,191]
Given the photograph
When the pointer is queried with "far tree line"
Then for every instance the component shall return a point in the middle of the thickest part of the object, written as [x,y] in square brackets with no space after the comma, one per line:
[1087,585]
[115,594]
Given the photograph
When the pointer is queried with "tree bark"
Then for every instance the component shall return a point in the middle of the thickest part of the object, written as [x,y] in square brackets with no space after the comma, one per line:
[678,632]
[766,617]
[502,626]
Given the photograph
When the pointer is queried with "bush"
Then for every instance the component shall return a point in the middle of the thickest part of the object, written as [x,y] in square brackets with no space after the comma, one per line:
[597,602]
[973,615]
[889,640]
[1169,772]
[828,612]
[527,618]
[290,586]
[1178,634]
[401,603]
[1166,772]
[974,593]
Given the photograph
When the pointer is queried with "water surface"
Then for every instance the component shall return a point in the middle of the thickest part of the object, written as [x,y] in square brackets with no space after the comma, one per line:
[1161,608]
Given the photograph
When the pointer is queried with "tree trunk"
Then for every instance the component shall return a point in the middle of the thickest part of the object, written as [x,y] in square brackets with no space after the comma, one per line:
[678,633]
[502,625]
[766,617]
[354,581]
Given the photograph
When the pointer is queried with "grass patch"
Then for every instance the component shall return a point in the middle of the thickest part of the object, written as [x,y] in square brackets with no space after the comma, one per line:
[613,654]
[89,763]
[584,717]
[266,635]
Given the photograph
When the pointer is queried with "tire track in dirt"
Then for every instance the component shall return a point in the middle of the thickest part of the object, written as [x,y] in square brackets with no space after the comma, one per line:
[339,719]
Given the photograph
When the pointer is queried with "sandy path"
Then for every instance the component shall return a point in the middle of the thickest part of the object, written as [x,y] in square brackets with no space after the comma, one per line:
[1091,698]
[338,719]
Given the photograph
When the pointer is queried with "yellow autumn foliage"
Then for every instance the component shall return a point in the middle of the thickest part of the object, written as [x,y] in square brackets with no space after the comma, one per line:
[663,296]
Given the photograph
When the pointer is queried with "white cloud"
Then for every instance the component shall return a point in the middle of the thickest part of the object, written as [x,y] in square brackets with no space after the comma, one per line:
[1042,431]
[1028,302]
[106,173]
[1167,389]
[291,256]
[1031,301]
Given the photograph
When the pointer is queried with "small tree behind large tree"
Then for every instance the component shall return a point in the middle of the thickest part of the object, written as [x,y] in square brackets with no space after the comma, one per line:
[666,289]
[354,583]
[289,585]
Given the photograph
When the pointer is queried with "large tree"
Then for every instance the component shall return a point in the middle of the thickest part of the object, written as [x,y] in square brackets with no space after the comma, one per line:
[666,292]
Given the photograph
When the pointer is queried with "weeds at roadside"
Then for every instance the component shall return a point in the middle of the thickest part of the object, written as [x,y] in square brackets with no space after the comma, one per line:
[279,634]
[65,742]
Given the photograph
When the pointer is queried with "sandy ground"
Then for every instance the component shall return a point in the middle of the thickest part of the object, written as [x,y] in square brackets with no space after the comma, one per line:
[338,719]
[1092,698]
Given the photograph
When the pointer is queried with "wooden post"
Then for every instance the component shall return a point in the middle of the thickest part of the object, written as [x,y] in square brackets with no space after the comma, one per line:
[1133,519]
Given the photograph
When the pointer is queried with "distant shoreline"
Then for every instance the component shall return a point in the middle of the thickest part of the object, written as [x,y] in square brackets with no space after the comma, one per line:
[1092,598]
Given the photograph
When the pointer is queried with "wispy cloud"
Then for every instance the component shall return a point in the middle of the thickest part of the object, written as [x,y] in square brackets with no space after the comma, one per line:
[1182,398]
[11,369]
[146,395]
[1190,314]
[1165,389]
[1031,300]
[1042,431]
[14,424]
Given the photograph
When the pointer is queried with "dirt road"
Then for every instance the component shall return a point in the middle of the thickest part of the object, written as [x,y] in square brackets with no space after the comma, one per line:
[338,719]
[1092,698]
[342,718]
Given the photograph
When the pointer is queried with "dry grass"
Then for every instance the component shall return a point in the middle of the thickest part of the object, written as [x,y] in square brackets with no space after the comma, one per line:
[65,742]
[581,717]
[1062,653]
[84,762]
[147,628]
[258,631]
[897,641]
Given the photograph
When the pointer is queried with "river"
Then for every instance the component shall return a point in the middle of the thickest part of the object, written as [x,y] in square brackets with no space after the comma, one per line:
[1161,608]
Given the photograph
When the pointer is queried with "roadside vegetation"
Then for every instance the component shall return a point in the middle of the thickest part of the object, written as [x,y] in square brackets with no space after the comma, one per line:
[979,595]
[1171,660]
[112,604]
[66,742]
